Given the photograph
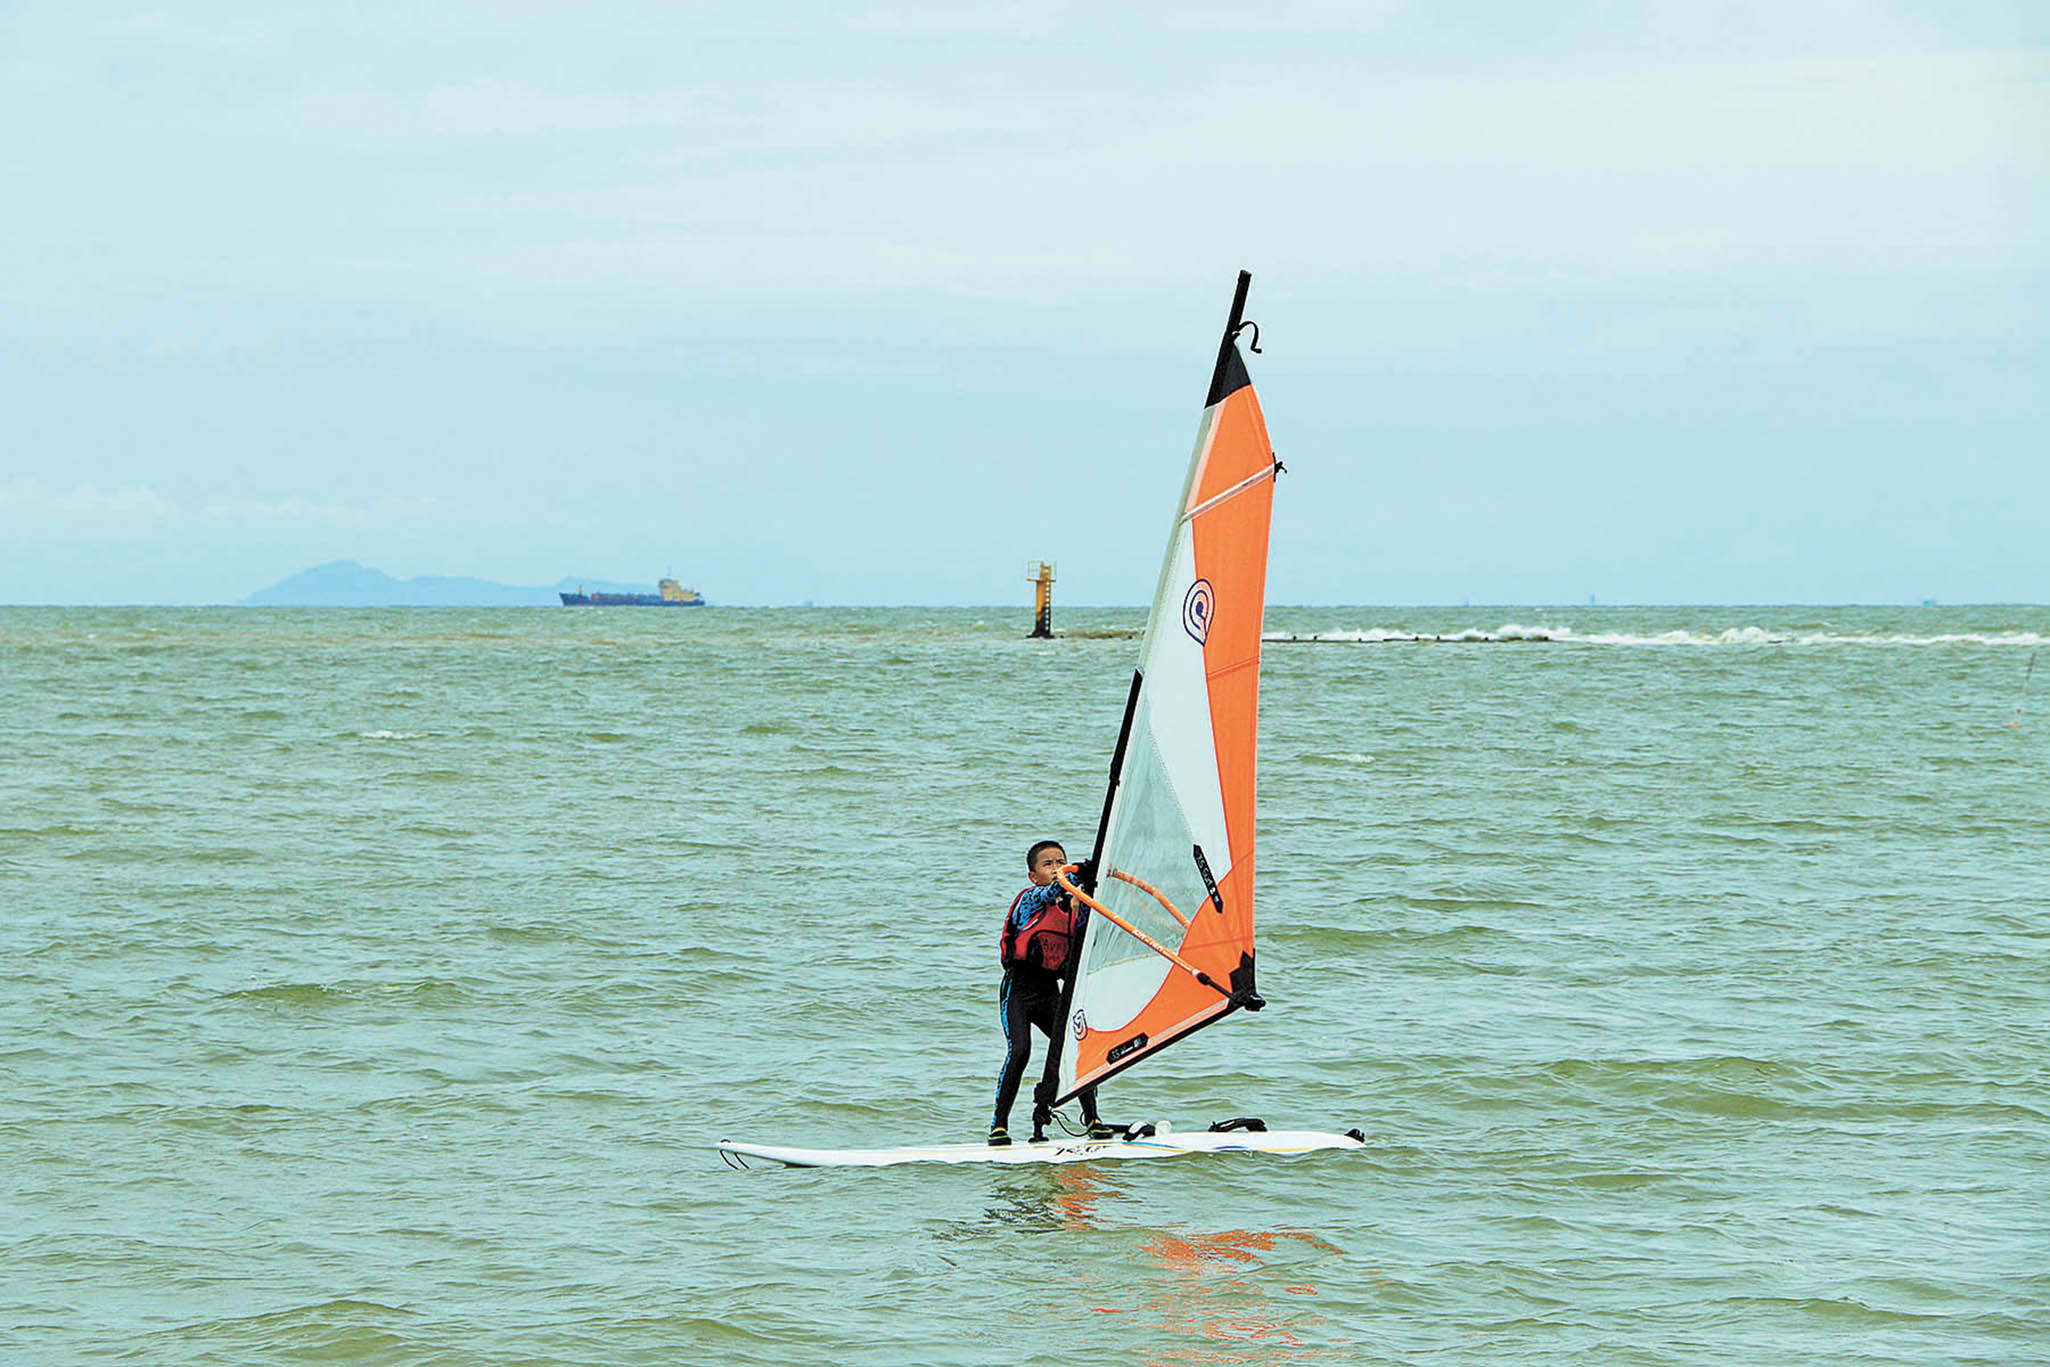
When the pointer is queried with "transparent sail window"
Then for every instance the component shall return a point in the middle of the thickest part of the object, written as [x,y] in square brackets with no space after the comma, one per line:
[1150,840]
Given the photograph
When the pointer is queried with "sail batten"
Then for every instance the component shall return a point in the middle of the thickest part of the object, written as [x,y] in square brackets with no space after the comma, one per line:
[1229,494]
[1177,831]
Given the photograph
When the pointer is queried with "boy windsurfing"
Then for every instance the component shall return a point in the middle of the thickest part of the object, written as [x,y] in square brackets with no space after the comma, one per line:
[1042,934]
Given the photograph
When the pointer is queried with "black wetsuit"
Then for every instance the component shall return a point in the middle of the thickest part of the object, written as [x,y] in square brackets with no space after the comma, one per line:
[1030,999]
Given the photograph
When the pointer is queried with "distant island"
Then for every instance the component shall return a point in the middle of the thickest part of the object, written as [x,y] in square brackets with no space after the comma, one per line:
[346,584]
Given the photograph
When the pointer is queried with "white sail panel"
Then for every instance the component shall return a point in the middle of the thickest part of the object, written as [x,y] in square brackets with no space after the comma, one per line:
[1168,804]
[1171,946]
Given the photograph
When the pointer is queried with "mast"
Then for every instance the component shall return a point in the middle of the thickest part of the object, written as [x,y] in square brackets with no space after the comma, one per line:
[1220,385]
[1228,357]
[1117,764]
[1171,898]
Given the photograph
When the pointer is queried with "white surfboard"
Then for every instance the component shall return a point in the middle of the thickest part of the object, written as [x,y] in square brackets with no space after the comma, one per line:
[1054,1151]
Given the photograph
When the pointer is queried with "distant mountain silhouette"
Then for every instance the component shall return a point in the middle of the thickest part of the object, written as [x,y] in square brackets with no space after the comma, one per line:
[346,584]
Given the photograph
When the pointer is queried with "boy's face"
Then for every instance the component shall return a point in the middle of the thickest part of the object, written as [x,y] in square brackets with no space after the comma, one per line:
[1050,862]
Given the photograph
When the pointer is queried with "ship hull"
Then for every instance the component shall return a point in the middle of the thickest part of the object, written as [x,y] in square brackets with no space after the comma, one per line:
[626,600]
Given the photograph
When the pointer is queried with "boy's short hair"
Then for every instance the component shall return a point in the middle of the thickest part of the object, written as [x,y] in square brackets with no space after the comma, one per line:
[1039,847]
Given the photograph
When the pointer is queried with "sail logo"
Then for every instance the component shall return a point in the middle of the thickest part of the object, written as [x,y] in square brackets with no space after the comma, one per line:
[1197,609]
[1081,1025]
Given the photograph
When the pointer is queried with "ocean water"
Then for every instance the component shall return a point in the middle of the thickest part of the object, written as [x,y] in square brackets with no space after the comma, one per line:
[374,984]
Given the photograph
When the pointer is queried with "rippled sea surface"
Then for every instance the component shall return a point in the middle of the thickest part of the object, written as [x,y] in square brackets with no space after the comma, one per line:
[374,984]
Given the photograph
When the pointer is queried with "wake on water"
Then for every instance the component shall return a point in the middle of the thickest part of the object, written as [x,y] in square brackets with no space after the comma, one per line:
[1511,633]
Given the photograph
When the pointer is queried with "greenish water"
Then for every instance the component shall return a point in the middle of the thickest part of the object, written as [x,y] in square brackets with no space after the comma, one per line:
[374,983]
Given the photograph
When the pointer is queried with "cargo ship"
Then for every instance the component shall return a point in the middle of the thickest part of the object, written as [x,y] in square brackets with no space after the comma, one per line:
[668,594]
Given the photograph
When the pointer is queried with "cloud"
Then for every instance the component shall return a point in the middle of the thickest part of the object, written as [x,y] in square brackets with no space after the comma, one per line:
[381,514]
[30,503]
[816,188]
[87,508]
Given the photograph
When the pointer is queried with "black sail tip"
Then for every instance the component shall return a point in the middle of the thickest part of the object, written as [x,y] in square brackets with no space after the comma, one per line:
[1230,375]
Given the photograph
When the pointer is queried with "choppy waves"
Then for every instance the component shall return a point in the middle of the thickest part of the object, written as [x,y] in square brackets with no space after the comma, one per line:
[375,988]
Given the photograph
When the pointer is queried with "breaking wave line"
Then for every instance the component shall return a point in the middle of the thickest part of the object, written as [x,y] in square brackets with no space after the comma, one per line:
[1512,633]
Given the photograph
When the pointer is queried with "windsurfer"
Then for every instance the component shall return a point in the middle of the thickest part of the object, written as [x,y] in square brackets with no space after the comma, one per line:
[1041,936]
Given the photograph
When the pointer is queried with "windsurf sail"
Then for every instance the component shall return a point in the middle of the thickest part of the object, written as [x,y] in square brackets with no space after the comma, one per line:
[1169,945]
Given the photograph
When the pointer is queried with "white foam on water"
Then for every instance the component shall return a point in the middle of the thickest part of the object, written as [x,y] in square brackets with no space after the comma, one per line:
[1513,633]
[389,735]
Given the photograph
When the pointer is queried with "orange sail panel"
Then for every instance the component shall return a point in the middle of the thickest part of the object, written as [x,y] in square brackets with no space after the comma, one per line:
[1179,820]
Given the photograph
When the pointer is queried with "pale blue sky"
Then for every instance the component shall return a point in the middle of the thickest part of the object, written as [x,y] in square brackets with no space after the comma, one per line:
[1657,301]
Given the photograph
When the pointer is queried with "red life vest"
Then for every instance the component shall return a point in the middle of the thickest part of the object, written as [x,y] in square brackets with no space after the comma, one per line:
[1045,941]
